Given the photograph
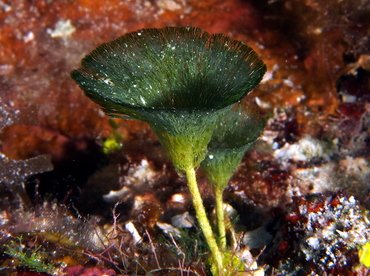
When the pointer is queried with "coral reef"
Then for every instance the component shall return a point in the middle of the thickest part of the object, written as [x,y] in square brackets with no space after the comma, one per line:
[316,89]
[321,234]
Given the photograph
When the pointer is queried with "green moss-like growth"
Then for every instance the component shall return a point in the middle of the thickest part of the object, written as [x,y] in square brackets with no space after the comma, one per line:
[32,259]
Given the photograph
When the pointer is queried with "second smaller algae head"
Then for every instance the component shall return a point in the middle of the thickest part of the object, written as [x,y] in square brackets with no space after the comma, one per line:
[233,135]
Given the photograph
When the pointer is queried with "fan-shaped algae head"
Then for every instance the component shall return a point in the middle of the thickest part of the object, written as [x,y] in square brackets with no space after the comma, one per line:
[234,133]
[177,79]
